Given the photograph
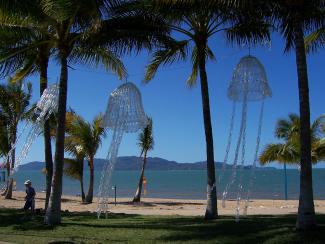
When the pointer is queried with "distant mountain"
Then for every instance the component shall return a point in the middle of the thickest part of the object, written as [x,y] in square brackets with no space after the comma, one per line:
[134,163]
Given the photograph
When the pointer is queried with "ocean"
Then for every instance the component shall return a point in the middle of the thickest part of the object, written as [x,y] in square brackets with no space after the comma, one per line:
[187,184]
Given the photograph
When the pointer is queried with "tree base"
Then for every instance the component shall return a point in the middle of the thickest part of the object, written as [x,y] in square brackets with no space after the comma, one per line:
[210,216]
[137,200]
[88,200]
[52,217]
[306,222]
[211,211]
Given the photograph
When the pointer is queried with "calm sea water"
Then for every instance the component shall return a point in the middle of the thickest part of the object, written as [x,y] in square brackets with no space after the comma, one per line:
[188,184]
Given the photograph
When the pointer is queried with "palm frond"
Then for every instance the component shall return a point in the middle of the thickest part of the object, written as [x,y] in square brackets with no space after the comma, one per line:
[191,81]
[317,127]
[176,51]
[282,153]
[95,57]
[309,14]
[146,139]
[289,131]
[124,33]
[59,10]
[286,128]
[27,69]
[74,168]
[315,40]
[318,150]
[83,136]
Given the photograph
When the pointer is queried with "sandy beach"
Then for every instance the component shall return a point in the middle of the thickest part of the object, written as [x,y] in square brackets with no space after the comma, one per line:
[162,206]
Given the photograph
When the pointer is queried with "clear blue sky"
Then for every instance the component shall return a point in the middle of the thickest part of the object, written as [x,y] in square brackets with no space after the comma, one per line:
[176,110]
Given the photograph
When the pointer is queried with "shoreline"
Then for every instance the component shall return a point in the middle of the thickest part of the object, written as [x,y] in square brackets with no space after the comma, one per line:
[166,206]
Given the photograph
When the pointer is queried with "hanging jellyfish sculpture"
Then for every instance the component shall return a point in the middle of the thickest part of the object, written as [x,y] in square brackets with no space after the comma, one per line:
[47,105]
[124,114]
[248,84]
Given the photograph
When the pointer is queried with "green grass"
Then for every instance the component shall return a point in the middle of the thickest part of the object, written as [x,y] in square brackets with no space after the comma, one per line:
[86,228]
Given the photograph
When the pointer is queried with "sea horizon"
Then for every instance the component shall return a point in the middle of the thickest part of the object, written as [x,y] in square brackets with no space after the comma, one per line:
[186,184]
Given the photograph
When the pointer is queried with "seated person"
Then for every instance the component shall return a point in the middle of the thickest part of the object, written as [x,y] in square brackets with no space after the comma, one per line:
[30,196]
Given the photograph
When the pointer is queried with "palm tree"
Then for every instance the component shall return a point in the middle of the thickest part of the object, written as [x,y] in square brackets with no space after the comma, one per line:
[198,22]
[89,32]
[74,168]
[294,19]
[14,107]
[146,143]
[28,59]
[86,138]
[288,130]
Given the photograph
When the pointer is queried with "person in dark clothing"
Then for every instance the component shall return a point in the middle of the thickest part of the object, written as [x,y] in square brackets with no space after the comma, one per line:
[30,196]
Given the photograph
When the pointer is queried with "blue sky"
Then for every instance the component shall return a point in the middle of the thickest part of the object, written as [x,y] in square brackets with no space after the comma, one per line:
[176,110]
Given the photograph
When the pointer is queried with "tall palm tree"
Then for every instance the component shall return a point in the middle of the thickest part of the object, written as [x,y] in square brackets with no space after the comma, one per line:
[288,130]
[84,36]
[14,107]
[87,138]
[146,143]
[294,19]
[27,59]
[198,22]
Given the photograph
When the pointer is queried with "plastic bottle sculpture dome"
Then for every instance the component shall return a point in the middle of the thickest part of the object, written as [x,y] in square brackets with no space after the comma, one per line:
[125,104]
[249,83]
[124,114]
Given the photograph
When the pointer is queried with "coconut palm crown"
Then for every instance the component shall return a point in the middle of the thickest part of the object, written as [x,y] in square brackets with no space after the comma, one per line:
[289,151]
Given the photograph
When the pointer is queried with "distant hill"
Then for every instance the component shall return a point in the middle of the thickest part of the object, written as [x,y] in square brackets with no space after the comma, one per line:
[134,163]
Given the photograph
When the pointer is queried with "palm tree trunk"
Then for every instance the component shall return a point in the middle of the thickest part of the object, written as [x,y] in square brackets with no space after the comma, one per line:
[53,212]
[306,210]
[83,197]
[137,196]
[8,175]
[211,210]
[9,189]
[82,189]
[89,197]
[47,130]
[12,165]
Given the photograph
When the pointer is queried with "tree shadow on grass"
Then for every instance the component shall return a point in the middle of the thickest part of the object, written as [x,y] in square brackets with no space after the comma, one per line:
[19,220]
[274,229]
[251,229]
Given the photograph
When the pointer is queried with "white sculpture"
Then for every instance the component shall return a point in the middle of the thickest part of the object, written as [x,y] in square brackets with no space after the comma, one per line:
[249,83]
[47,105]
[124,114]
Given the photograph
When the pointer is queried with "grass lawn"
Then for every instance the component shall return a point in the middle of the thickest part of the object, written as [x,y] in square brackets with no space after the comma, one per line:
[85,228]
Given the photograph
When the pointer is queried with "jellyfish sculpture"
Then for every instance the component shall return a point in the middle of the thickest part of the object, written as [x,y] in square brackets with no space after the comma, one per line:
[47,105]
[248,84]
[124,114]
